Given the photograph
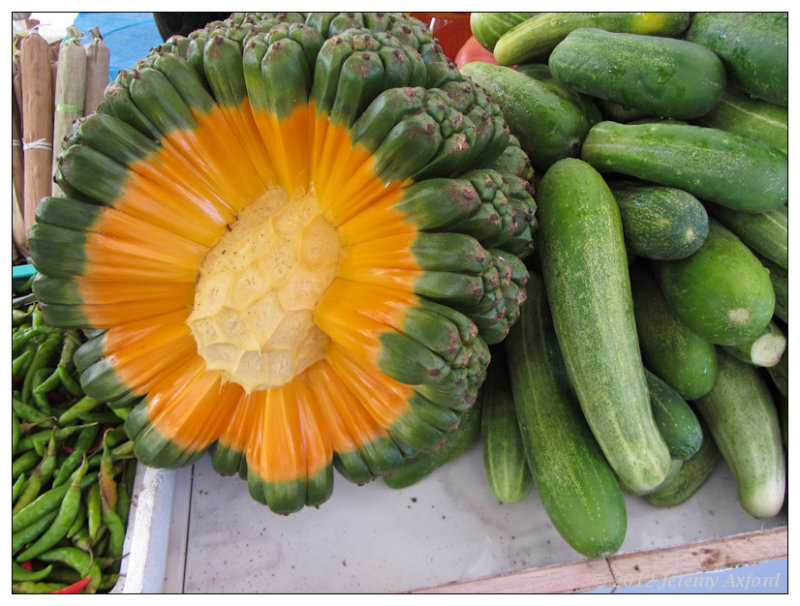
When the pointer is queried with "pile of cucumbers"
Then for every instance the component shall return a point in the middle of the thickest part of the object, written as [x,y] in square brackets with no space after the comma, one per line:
[653,340]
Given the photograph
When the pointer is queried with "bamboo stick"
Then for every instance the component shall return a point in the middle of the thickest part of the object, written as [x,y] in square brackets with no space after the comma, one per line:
[37,122]
[97,65]
[69,93]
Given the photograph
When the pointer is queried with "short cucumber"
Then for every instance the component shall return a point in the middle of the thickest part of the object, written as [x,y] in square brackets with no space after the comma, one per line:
[504,459]
[671,350]
[739,113]
[722,292]
[741,415]
[779,375]
[711,164]
[534,39]
[549,126]
[692,475]
[662,223]
[676,420]
[754,47]
[585,269]
[488,27]
[666,77]
[576,485]
[765,350]
[764,233]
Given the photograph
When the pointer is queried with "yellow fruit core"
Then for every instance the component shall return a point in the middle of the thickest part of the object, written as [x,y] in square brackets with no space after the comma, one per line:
[258,287]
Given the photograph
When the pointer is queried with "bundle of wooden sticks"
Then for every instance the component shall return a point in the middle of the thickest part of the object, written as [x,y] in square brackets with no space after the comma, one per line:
[53,85]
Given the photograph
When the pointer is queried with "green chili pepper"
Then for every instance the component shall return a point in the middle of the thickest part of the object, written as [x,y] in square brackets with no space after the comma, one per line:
[46,382]
[78,560]
[33,485]
[18,573]
[44,356]
[16,489]
[82,444]
[108,486]
[36,587]
[15,434]
[26,412]
[116,531]
[48,464]
[19,365]
[22,336]
[46,502]
[22,537]
[71,385]
[80,521]
[24,462]
[39,439]
[85,404]
[94,514]
[18,316]
[66,516]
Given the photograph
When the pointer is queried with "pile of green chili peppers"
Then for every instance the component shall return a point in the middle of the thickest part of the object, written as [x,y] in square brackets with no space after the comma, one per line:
[73,466]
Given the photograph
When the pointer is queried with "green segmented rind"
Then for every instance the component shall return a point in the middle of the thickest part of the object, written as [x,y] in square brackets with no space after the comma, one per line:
[222,68]
[57,251]
[676,420]
[449,251]
[151,447]
[67,213]
[62,291]
[89,352]
[63,316]
[113,137]
[407,148]
[286,77]
[386,110]
[438,203]
[101,382]
[158,99]
[97,177]
[117,102]
[283,497]
[184,80]
[225,459]
[457,442]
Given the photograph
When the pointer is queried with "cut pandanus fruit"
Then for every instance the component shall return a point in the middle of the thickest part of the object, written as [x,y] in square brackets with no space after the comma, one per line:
[293,238]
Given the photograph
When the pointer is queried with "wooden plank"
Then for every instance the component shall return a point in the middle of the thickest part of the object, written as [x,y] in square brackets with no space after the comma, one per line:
[646,566]
[558,578]
[635,568]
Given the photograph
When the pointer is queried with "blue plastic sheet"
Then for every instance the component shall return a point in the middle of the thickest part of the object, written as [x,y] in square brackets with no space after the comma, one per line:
[129,36]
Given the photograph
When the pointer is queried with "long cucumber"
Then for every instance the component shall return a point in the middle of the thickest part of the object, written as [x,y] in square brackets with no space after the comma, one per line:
[585,270]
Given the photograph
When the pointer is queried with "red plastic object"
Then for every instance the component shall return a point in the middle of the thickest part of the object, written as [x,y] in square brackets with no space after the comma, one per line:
[473,51]
[451,29]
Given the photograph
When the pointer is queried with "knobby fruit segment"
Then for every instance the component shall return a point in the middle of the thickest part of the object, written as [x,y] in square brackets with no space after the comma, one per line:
[294,237]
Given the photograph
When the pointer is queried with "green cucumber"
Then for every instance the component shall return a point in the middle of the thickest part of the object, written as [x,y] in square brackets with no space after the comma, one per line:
[765,350]
[534,39]
[722,292]
[661,223]
[488,27]
[574,481]
[766,234]
[676,420]
[779,375]
[585,269]
[549,126]
[504,459]
[541,72]
[754,48]
[741,415]
[692,475]
[779,276]
[711,164]
[671,350]
[662,76]
[739,113]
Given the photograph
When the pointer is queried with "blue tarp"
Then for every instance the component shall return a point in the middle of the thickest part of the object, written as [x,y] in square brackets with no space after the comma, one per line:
[129,36]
